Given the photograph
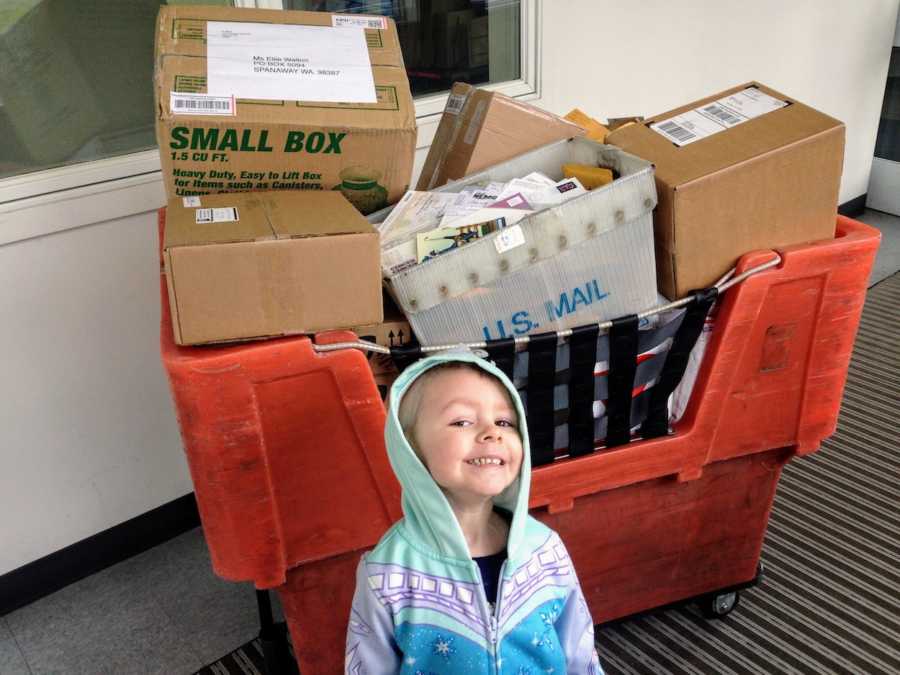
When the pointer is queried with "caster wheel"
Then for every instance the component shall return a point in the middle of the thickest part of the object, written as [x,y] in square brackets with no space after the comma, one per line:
[718,605]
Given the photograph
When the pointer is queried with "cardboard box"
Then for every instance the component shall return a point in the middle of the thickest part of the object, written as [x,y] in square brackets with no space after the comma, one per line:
[253,265]
[393,331]
[364,148]
[766,176]
[480,128]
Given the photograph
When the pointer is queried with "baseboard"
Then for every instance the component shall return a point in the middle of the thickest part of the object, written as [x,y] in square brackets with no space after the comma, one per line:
[57,570]
[854,207]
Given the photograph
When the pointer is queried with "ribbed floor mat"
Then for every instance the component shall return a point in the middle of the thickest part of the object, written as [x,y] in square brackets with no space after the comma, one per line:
[830,600]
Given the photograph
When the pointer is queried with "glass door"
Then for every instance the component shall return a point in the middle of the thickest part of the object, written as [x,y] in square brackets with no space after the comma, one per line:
[884,182]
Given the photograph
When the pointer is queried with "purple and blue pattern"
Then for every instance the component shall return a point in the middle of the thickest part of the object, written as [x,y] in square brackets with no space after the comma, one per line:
[400,587]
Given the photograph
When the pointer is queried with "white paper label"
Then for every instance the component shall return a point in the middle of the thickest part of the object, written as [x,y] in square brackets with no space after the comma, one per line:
[455,103]
[201,104]
[286,62]
[711,118]
[220,215]
[376,22]
[190,202]
[508,239]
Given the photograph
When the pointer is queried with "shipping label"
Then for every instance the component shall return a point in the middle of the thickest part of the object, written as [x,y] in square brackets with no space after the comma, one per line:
[455,103]
[711,118]
[219,215]
[373,22]
[278,62]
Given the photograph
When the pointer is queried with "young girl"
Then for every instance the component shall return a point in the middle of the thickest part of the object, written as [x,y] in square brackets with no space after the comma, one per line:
[467,581]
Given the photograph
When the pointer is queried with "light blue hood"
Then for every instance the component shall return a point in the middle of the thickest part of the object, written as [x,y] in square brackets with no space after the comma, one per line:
[428,516]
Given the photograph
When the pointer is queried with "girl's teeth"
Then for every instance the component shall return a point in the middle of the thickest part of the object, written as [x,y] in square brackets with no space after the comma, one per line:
[480,461]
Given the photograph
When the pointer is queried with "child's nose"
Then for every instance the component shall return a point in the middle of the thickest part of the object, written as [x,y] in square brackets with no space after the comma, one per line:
[491,434]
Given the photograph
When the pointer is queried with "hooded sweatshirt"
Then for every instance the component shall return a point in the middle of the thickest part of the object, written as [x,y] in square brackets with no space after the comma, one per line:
[420,606]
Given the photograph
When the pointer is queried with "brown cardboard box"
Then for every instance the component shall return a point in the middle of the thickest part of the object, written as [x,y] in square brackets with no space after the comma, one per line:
[364,149]
[394,331]
[264,264]
[767,182]
[480,128]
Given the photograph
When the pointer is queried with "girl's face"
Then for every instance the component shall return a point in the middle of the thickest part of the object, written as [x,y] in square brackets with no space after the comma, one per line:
[467,433]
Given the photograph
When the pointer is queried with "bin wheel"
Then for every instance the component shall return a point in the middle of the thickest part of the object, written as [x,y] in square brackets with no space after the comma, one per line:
[718,605]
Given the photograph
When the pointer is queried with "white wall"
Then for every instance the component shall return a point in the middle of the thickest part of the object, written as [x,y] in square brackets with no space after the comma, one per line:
[648,57]
[87,432]
[88,437]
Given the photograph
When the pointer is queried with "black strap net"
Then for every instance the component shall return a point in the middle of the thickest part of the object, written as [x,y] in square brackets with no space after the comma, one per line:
[589,390]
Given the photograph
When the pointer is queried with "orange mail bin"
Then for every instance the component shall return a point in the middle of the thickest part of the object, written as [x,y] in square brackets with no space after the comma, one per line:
[286,451]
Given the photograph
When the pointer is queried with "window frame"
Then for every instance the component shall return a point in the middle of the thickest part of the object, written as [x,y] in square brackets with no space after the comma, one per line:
[129,184]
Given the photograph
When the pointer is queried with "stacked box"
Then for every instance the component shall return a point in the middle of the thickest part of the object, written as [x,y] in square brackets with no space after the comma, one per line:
[480,128]
[267,264]
[262,137]
[747,168]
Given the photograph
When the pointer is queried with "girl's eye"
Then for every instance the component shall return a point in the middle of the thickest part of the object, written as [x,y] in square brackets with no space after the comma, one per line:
[505,423]
[460,423]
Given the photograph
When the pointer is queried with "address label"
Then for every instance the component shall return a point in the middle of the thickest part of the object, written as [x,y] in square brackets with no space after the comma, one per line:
[711,118]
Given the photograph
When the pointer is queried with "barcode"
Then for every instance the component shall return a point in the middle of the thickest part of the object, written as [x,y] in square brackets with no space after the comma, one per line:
[181,103]
[722,114]
[677,132]
[377,23]
[204,215]
[454,104]
[201,104]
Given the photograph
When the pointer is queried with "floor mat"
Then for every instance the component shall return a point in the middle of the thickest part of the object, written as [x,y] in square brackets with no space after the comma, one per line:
[830,600]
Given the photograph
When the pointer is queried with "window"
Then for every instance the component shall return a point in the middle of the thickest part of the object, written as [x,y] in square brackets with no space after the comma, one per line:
[76,94]
[75,81]
[445,41]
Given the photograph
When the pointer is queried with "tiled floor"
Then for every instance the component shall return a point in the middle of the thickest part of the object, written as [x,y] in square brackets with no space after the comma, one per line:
[888,260]
[164,611]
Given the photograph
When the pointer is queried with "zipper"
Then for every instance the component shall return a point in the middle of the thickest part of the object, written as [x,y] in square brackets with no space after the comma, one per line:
[495,618]
[492,618]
